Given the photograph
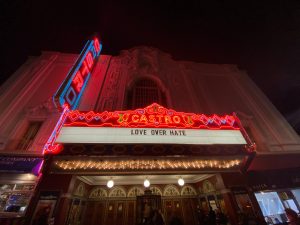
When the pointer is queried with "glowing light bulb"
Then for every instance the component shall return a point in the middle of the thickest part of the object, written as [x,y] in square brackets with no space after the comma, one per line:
[181,181]
[146,183]
[110,183]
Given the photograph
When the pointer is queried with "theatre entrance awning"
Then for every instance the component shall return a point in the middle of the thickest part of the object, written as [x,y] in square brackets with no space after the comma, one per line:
[152,138]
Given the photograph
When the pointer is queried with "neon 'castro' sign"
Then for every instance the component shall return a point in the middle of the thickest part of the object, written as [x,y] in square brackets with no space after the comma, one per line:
[71,89]
[152,116]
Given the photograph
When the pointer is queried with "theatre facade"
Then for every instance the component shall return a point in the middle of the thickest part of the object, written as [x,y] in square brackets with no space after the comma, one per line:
[100,139]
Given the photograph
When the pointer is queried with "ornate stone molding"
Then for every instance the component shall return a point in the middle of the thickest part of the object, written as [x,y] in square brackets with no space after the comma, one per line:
[41,111]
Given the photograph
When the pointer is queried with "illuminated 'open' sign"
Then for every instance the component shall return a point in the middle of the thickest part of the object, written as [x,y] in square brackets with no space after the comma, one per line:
[71,89]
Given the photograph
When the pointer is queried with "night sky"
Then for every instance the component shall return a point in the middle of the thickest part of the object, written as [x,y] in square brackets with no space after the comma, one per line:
[261,37]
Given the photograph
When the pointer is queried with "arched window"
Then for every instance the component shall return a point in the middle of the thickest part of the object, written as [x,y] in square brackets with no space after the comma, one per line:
[143,93]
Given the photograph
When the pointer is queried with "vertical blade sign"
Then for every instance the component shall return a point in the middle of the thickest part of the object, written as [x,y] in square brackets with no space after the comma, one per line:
[72,88]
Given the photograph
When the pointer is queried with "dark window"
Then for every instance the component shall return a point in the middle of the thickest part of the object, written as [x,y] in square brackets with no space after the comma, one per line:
[29,135]
[143,93]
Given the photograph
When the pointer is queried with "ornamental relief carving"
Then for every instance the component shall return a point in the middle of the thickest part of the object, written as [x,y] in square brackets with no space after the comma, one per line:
[41,111]
[142,59]
[120,192]
[208,187]
[117,192]
[171,190]
[145,61]
[188,191]
[80,190]
[135,191]
[156,190]
[109,94]
[98,192]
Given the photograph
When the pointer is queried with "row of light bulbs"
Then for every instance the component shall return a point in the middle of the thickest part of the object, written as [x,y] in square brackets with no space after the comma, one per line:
[150,164]
[111,183]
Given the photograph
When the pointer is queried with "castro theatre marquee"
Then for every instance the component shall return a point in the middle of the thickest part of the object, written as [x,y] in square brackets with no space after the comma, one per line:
[149,139]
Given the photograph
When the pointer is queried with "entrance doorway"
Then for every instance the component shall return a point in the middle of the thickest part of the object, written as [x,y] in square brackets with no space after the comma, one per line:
[129,202]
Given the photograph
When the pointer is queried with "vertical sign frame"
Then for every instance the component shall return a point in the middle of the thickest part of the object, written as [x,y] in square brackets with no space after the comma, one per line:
[72,88]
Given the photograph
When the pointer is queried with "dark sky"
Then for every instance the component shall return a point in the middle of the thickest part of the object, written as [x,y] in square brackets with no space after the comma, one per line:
[261,37]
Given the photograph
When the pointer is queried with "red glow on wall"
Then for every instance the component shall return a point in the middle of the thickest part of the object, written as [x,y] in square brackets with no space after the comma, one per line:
[52,147]
[151,116]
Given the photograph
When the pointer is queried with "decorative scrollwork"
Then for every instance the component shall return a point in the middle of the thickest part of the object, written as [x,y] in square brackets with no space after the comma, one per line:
[98,192]
[171,190]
